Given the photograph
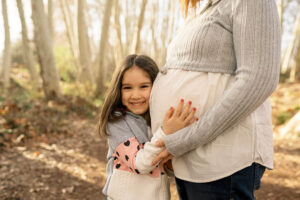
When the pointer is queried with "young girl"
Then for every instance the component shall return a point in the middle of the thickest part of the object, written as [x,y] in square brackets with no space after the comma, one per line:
[125,120]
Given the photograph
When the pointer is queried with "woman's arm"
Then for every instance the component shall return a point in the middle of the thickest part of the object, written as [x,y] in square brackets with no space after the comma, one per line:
[256,42]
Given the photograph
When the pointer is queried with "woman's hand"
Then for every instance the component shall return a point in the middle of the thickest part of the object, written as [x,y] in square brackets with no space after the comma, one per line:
[179,118]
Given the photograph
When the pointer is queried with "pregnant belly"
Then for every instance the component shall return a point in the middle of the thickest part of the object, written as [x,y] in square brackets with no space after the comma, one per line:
[202,88]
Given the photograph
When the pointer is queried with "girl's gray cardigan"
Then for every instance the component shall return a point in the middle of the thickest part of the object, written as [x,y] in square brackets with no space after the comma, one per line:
[134,126]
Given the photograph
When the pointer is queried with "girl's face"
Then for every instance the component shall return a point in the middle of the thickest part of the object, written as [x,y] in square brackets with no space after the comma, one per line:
[135,91]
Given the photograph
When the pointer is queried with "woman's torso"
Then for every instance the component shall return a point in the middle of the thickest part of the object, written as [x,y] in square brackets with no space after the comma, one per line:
[200,66]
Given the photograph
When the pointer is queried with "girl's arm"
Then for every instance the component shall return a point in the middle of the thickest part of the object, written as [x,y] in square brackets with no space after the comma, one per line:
[132,155]
[138,157]
[256,41]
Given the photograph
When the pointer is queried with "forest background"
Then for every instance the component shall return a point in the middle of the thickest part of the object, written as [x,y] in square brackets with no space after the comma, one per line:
[57,59]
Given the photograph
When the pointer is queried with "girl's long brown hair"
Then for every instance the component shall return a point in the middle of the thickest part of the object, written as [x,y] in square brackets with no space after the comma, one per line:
[185,4]
[113,109]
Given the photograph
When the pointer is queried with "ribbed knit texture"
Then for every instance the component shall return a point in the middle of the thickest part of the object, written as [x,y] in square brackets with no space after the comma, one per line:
[240,37]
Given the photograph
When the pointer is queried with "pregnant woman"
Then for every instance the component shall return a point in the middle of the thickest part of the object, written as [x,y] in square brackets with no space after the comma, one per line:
[226,61]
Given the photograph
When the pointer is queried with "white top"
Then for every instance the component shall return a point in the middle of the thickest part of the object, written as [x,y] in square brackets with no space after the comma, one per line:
[248,141]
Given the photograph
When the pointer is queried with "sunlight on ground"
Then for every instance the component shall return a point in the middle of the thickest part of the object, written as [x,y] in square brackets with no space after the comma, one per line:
[69,161]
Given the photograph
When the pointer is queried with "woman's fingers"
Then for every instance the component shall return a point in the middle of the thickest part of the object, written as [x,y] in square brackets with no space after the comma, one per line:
[186,110]
[165,153]
[169,157]
[161,166]
[190,116]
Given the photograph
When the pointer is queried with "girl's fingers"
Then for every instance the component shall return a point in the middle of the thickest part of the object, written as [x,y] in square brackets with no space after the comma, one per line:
[190,116]
[186,110]
[169,113]
[179,108]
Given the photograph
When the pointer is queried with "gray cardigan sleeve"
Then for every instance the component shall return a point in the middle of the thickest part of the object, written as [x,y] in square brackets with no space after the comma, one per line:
[118,132]
[256,43]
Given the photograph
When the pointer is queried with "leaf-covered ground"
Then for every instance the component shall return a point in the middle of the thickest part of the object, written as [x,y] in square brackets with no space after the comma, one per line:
[53,151]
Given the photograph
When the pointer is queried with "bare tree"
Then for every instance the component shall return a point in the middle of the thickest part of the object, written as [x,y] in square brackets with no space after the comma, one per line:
[296,59]
[171,21]
[44,47]
[7,51]
[290,49]
[136,39]
[164,36]
[27,53]
[129,28]
[282,5]
[85,74]
[102,48]
[292,128]
[50,16]
[154,47]
[70,32]
[118,45]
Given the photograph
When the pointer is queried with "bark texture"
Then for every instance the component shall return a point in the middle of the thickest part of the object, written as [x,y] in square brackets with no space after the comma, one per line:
[27,52]
[43,41]
[101,79]
[85,74]
[7,48]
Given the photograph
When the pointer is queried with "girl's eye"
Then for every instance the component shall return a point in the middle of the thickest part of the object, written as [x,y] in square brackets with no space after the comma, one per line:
[144,86]
[126,88]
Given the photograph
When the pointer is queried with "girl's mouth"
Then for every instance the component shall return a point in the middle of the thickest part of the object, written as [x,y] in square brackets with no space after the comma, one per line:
[137,103]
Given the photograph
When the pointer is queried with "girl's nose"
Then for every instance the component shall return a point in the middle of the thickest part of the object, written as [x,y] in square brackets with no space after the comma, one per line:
[136,94]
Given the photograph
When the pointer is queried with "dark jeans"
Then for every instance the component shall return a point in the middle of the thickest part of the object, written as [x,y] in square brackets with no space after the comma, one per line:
[238,186]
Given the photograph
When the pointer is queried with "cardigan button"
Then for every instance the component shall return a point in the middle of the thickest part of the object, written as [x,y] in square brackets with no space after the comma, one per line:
[164,70]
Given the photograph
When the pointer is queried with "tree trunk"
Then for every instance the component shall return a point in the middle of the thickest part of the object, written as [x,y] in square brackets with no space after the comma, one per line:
[50,17]
[154,48]
[27,53]
[85,75]
[102,48]
[70,33]
[292,128]
[290,49]
[129,6]
[164,37]
[7,52]
[44,47]
[136,40]
[296,61]
[118,46]
[171,21]
[282,4]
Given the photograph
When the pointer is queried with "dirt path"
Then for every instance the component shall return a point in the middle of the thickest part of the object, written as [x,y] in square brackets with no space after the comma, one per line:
[69,168]
[73,167]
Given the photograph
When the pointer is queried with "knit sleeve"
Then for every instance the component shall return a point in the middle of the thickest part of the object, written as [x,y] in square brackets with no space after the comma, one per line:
[134,157]
[146,155]
[256,43]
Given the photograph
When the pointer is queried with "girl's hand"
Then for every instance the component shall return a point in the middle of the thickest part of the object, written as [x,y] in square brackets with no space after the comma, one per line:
[163,156]
[179,118]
